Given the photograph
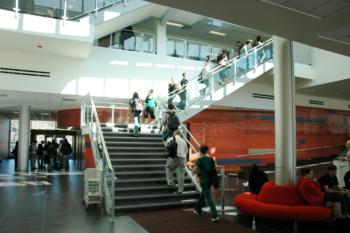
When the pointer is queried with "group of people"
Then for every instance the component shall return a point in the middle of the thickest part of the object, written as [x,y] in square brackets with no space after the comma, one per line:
[139,107]
[176,151]
[50,155]
[324,191]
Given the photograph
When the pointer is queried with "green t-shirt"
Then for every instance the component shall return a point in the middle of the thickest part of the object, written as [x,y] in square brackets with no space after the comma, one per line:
[151,102]
[204,165]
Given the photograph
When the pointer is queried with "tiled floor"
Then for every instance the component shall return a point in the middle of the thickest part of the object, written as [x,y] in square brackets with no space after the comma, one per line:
[52,203]
[31,205]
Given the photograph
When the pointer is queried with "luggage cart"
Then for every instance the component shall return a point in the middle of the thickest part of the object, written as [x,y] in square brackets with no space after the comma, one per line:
[92,187]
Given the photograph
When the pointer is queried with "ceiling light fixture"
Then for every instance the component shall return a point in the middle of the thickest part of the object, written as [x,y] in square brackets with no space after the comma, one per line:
[179,25]
[217,33]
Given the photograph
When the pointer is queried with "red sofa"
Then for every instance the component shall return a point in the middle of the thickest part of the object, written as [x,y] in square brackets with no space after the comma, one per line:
[281,203]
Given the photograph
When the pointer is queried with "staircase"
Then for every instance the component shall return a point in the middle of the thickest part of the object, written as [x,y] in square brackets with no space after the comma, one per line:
[139,165]
[238,72]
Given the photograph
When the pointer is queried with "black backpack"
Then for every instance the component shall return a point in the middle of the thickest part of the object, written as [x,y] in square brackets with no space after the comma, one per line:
[171,148]
[66,149]
[173,121]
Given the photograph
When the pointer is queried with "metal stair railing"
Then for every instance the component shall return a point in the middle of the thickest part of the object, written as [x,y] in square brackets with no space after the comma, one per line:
[90,125]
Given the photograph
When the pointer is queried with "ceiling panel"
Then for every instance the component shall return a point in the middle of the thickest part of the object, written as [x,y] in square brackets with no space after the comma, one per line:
[317,8]
[330,7]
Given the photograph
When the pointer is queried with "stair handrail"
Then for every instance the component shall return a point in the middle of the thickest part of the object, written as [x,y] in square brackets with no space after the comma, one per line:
[194,81]
[105,155]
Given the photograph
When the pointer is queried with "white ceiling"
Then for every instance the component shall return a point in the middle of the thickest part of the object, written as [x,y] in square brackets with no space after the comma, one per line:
[337,90]
[319,23]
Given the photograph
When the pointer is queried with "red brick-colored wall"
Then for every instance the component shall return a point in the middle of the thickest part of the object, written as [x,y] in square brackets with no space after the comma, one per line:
[230,133]
[71,117]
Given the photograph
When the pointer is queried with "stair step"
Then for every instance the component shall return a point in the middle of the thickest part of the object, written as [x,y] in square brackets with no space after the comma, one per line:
[136,149]
[134,139]
[134,144]
[141,135]
[143,166]
[162,195]
[138,161]
[145,180]
[153,187]
[186,202]
[137,155]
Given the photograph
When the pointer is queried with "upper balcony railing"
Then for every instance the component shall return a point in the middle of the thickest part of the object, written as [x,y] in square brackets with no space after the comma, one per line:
[146,42]
[59,9]
[129,40]
[193,50]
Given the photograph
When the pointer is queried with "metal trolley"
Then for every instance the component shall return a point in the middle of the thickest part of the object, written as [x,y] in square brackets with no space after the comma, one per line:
[92,187]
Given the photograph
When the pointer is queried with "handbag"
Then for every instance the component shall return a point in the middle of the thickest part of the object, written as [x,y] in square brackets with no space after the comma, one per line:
[214,179]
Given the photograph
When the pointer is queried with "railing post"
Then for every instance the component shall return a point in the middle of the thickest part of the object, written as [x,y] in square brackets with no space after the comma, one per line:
[113,115]
[113,197]
[96,6]
[222,171]
[16,9]
[64,17]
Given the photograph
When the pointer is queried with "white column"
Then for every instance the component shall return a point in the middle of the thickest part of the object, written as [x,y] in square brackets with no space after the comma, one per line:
[285,123]
[160,38]
[23,138]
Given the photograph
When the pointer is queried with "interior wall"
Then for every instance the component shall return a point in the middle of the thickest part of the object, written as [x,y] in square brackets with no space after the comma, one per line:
[234,136]
[4,136]
[106,72]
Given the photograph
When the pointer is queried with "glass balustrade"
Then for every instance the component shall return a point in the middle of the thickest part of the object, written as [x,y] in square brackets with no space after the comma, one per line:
[129,40]
[212,80]
[193,50]
[70,9]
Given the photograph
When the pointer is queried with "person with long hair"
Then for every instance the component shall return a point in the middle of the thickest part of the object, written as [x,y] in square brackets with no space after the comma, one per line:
[136,108]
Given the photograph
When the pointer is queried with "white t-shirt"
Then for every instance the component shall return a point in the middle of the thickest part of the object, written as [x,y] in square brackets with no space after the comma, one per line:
[182,148]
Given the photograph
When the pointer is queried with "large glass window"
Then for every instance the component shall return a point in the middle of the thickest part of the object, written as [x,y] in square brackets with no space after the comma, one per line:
[43,124]
[193,51]
[148,43]
[176,48]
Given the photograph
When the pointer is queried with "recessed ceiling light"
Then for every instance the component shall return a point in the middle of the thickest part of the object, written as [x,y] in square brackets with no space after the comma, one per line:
[68,99]
[217,33]
[179,25]
[45,113]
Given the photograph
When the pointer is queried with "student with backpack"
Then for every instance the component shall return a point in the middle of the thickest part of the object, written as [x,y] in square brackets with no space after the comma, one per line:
[205,169]
[176,150]
[136,107]
[170,122]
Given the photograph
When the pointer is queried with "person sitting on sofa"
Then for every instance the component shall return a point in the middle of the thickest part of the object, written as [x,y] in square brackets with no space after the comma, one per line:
[310,190]
[329,184]
[257,178]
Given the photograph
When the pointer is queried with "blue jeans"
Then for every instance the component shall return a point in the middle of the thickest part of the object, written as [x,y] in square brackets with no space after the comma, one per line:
[66,162]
